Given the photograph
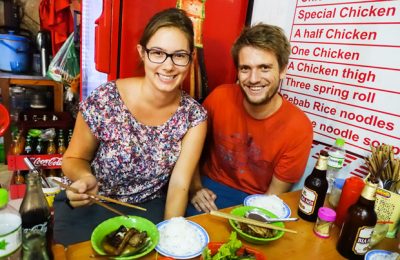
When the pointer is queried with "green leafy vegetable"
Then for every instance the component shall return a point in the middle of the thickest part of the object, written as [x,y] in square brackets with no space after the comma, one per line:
[227,251]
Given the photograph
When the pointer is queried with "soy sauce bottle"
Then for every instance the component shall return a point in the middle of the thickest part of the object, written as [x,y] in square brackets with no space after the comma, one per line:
[358,225]
[314,191]
[36,221]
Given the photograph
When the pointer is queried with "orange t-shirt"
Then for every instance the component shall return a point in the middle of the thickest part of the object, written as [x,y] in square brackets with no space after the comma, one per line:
[244,153]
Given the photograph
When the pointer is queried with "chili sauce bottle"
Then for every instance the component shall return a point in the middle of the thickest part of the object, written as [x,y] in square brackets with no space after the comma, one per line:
[314,191]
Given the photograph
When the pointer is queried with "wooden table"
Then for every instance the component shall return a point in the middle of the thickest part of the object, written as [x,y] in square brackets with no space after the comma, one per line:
[303,245]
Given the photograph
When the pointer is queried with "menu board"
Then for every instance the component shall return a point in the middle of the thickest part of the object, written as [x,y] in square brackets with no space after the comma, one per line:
[344,70]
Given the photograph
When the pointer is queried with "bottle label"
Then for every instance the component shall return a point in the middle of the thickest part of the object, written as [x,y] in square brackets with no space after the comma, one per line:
[307,201]
[37,229]
[362,240]
[336,161]
[34,241]
[10,242]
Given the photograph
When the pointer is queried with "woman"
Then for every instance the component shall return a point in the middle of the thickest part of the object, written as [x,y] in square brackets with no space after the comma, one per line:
[135,138]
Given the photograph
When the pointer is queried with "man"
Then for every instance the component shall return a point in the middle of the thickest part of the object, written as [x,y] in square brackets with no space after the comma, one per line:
[257,141]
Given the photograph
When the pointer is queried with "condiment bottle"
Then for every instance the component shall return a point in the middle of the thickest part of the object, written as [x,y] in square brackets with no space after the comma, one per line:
[10,229]
[36,221]
[314,191]
[326,217]
[351,192]
[358,226]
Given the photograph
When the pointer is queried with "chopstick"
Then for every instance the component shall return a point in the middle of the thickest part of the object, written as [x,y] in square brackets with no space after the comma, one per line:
[249,221]
[108,207]
[95,196]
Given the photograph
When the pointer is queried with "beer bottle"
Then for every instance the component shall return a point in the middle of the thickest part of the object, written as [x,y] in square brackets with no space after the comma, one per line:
[36,221]
[314,191]
[358,225]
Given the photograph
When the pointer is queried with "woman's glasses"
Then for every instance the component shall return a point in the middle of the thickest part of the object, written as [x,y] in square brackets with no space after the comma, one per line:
[158,56]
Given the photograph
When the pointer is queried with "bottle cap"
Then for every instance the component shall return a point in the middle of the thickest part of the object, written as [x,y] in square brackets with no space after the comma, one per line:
[326,214]
[340,142]
[339,183]
[3,197]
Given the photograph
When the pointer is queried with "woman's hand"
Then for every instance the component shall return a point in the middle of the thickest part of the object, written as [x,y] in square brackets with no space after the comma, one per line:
[86,184]
[203,200]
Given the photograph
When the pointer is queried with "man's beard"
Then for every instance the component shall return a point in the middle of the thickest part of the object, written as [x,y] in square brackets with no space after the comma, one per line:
[261,102]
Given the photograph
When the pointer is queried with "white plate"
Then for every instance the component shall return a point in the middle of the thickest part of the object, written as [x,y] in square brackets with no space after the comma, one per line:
[377,254]
[200,232]
[256,199]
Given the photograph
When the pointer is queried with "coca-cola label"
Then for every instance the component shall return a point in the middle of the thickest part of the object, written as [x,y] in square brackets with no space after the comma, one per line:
[307,201]
[50,162]
[37,229]
[362,239]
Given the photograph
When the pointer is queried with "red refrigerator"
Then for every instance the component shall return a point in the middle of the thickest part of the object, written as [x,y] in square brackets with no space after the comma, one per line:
[119,23]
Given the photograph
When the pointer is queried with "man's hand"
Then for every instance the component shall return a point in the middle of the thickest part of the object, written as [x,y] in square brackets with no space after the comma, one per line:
[203,200]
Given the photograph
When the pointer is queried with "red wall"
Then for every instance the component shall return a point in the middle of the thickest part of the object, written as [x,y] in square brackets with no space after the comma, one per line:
[223,22]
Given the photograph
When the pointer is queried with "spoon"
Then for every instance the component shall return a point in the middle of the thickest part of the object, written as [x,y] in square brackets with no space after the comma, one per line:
[260,216]
[381,183]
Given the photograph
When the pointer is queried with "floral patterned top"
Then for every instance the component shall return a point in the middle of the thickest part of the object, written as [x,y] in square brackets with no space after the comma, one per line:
[134,161]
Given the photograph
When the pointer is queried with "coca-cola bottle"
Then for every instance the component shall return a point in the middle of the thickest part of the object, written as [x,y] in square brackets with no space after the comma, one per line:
[36,221]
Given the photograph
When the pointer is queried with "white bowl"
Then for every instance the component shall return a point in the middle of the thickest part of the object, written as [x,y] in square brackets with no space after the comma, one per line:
[271,203]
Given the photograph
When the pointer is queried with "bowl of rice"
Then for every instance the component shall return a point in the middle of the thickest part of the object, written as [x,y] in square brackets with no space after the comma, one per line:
[273,234]
[271,203]
[181,238]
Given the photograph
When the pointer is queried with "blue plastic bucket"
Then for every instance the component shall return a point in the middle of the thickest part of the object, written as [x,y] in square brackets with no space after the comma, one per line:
[15,53]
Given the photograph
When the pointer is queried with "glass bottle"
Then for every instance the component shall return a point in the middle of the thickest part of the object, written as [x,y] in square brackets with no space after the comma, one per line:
[60,135]
[69,136]
[51,148]
[326,217]
[36,221]
[61,146]
[28,146]
[15,149]
[314,191]
[18,177]
[337,154]
[356,232]
[39,146]
[21,141]
[10,229]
